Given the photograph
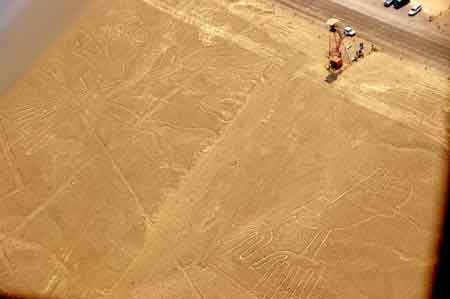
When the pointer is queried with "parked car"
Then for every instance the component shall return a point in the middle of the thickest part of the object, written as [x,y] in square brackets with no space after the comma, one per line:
[388,3]
[415,10]
[400,3]
[349,31]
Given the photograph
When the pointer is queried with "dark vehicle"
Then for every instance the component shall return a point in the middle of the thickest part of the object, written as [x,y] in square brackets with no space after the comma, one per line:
[388,3]
[400,3]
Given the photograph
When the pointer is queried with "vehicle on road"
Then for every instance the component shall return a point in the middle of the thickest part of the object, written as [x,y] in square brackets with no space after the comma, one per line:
[415,10]
[400,3]
[388,3]
[349,31]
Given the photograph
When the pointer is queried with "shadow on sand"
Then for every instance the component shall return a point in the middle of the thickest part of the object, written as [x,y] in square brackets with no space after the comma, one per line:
[331,77]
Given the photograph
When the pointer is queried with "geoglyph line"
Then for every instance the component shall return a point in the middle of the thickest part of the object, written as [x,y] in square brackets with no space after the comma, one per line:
[216,31]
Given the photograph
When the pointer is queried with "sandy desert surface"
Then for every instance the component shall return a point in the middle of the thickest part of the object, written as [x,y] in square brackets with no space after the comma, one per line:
[442,21]
[192,149]
[435,6]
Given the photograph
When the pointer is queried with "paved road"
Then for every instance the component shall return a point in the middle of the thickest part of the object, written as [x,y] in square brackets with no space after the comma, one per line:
[391,37]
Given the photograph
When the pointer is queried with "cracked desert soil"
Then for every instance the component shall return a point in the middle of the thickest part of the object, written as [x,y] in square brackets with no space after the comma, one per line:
[191,149]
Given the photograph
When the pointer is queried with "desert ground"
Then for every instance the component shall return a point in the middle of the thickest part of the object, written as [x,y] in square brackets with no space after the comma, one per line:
[441,20]
[194,149]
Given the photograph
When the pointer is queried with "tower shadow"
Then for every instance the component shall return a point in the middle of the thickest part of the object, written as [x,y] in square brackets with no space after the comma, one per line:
[331,77]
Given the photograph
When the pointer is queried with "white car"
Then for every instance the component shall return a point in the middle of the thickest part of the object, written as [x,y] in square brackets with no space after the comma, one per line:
[349,31]
[415,10]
